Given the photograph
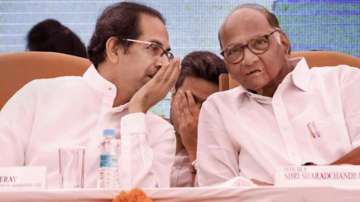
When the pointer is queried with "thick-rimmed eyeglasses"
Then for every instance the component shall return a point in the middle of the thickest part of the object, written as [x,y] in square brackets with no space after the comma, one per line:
[154,48]
[257,45]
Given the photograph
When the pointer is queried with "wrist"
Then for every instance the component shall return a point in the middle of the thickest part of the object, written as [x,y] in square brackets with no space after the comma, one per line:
[192,154]
[136,107]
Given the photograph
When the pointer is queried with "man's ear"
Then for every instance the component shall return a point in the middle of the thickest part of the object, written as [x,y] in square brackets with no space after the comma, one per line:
[284,41]
[113,47]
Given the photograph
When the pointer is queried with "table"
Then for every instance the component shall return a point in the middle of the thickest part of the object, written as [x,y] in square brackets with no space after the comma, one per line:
[201,194]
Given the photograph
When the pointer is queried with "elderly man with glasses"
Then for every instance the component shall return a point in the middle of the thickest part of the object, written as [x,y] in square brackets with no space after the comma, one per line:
[282,114]
[132,70]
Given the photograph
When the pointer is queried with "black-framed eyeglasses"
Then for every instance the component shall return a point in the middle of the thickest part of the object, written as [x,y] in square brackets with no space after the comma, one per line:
[154,48]
[257,45]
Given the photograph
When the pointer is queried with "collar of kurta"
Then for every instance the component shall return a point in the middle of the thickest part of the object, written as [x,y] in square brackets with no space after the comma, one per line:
[102,86]
[301,74]
[299,77]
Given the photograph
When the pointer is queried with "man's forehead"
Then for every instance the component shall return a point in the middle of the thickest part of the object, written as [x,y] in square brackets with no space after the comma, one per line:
[200,87]
[244,21]
[247,16]
[154,30]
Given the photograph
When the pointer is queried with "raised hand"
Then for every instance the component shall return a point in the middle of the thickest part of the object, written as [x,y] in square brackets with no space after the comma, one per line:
[155,89]
[184,116]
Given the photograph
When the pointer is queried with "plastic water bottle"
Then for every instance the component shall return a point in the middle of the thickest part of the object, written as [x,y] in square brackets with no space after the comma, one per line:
[108,169]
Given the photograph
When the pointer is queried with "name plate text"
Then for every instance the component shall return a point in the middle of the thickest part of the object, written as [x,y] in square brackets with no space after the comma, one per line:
[26,177]
[342,175]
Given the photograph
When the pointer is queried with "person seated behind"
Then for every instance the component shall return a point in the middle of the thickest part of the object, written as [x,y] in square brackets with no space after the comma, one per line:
[282,114]
[132,69]
[198,79]
[52,36]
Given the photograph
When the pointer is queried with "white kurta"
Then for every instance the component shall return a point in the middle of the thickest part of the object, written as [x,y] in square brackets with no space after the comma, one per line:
[314,116]
[72,111]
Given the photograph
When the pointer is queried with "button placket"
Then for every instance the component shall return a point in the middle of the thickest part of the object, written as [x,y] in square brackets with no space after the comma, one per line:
[285,128]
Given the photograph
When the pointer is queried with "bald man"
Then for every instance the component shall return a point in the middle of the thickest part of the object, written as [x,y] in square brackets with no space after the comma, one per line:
[282,114]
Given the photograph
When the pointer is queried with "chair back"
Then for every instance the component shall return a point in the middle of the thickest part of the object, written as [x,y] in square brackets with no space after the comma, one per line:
[313,58]
[17,69]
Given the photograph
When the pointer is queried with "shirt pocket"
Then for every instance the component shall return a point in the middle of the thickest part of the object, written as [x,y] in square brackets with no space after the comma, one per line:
[330,137]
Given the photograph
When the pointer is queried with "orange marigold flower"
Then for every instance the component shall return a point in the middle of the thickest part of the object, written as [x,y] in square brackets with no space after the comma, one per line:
[134,195]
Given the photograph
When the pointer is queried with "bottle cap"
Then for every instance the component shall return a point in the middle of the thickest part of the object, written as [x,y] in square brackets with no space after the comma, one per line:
[109,132]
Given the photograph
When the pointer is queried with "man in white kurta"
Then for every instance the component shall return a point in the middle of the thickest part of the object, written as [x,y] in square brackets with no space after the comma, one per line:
[282,114]
[41,118]
[250,135]
[116,93]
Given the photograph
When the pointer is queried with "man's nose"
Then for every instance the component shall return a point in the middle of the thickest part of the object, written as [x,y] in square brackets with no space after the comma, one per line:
[249,57]
[162,61]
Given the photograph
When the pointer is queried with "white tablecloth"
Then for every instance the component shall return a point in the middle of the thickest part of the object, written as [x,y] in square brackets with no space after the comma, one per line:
[204,194]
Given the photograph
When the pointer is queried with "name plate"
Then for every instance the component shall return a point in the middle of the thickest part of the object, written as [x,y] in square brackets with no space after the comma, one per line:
[344,175]
[23,177]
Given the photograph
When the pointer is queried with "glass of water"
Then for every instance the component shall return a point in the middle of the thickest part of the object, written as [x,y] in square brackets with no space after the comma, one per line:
[71,167]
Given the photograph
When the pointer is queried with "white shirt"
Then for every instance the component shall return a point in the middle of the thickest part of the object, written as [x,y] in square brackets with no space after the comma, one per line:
[182,173]
[72,111]
[314,116]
